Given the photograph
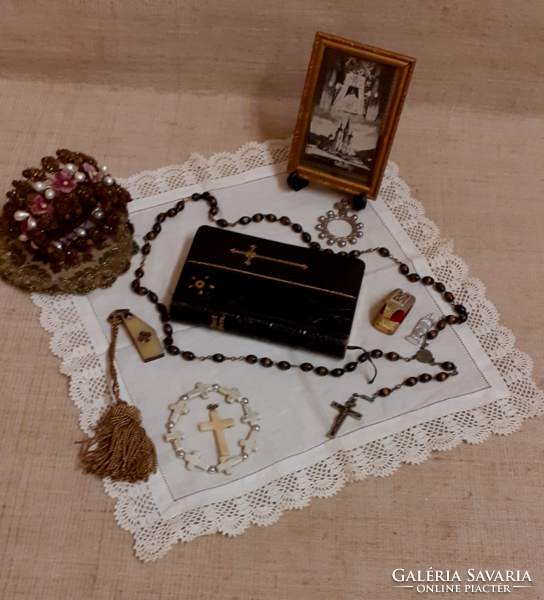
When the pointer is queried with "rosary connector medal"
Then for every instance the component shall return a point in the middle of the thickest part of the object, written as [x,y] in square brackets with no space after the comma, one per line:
[394,310]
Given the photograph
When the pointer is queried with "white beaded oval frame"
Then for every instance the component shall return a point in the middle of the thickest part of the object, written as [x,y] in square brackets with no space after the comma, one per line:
[192,459]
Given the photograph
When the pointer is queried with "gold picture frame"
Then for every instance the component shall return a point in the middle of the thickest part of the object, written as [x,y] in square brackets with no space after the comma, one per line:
[348,116]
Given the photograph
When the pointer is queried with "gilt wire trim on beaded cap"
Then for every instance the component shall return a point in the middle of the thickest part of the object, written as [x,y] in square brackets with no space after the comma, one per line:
[449,368]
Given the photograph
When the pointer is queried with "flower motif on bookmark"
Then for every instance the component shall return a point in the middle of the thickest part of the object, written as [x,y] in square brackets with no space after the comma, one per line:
[143,336]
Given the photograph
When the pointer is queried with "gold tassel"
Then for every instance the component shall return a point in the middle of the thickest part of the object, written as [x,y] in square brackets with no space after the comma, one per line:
[120,448]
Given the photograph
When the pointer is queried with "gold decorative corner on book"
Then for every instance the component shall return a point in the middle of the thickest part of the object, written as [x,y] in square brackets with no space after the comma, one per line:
[251,254]
[201,285]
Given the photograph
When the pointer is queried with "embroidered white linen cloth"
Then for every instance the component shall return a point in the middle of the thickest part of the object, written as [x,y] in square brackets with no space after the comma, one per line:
[295,460]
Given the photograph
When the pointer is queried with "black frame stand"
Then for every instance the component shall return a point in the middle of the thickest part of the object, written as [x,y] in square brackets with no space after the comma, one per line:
[297,183]
[359,201]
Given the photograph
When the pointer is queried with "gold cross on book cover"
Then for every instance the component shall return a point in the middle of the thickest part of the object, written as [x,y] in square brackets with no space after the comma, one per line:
[251,254]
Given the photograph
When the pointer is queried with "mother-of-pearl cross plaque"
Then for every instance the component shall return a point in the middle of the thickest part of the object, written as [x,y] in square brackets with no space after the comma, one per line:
[225,461]
[217,425]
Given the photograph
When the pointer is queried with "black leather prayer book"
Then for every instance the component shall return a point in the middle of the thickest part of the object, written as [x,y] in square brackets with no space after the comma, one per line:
[260,288]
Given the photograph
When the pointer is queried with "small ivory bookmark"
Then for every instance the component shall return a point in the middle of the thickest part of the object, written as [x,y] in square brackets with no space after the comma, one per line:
[144,337]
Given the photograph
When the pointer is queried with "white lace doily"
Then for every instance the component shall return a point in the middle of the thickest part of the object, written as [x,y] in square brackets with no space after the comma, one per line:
[136,510]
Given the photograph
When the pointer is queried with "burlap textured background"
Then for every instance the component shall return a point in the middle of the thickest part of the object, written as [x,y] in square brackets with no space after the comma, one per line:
[143,84]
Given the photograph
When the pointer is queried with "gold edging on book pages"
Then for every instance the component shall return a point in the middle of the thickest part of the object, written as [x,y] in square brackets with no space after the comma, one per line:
[218,322]
[311,287]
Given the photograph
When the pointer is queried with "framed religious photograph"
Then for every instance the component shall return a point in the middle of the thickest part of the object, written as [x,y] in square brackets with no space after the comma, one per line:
[350,108]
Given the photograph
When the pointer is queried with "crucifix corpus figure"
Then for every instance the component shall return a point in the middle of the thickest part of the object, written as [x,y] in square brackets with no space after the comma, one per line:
[344,411]
[217,425]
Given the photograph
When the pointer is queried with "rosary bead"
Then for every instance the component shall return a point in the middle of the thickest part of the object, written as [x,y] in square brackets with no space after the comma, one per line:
[251,359]
[285,221]
[219,358]
[441,376]
[355,253]
[306,367]
[168,329]
[404,269]
[271,218]
[414,277]
[195,197]
[322,371]
[296,227]
[342,253]
[266,362]
[150,236]
[153,297]
[383,252]
[351,366]
[206,195]
[142,291]
[384,392]
[306,237]
[222,223]
[146,249]
[392,356]
[187,355]
[462,318]
[157,228]
[451,319]
[284,365]
[165,318]
[244,221]
[411,381]
[174,350]
[168,340]
[448,366]
[441,324]
[180,205]
[432,334]
[160,218]
[460,309]
[212,201]
[213,211]
[376,354]
[425,378]
[328,251]
[448,296]
[315,246]
[427,280]
[172,212]
[139,272]
[440,287]
[162,309]
[135,285]
[257,217]
[337,372]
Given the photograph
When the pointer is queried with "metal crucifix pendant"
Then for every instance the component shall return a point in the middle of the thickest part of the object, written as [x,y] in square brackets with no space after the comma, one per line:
[345,410]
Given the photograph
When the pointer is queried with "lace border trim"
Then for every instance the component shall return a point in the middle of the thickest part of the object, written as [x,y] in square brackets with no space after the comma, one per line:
[136,511]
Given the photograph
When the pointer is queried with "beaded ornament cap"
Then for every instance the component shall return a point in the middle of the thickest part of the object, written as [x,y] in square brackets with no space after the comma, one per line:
[65,227]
